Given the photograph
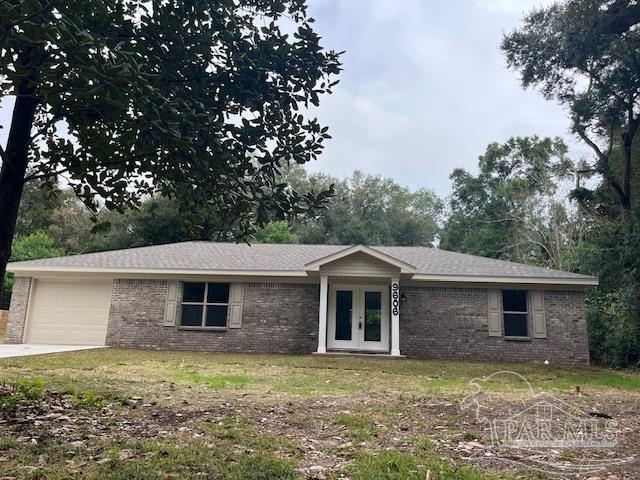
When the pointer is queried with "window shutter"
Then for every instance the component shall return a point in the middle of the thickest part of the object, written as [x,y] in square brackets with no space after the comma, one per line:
[537,312]
[235,305]
[495,312]
[171,306]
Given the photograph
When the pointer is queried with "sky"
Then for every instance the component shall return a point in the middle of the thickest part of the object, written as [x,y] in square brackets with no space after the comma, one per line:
[424,89]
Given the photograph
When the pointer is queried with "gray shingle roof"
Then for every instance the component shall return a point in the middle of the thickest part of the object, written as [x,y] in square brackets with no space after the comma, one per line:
[285,258]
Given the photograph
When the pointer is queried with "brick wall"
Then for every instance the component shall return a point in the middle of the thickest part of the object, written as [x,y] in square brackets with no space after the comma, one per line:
[435,323]
[18,309]
[277,318]
[452,323]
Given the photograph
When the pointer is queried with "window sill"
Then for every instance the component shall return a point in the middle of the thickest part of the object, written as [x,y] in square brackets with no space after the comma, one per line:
[204,329]
[518,339]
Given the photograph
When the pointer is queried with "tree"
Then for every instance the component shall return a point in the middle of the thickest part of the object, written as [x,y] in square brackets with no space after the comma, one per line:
[33,246]
[368,209]
[585,54]
[58,213]
[618,17]
[157,221]
[515,208]
[276,232]
[194,100]
[597,77]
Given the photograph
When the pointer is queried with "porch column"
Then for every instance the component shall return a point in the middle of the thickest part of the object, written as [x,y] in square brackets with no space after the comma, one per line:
[395,316]
[322,320]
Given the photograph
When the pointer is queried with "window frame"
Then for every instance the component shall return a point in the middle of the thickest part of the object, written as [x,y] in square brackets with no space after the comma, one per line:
[524,313]
[204,304]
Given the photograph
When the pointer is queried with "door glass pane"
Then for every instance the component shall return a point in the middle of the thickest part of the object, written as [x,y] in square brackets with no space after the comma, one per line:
[372,316]
[344,306]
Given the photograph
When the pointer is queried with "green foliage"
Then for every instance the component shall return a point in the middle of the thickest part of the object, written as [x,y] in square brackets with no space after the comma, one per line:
[31,388]
[368,209]
[561,50]
[33,246]
[583,54]
[26,390]
[149,104]
[512,208]
[276,232]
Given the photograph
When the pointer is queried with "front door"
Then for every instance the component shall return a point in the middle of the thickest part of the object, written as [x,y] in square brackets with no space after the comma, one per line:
[358,318]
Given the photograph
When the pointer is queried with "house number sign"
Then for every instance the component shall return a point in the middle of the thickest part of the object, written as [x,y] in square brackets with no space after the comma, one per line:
[395,298]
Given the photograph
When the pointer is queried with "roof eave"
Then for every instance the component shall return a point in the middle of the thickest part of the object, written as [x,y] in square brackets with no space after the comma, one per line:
[579,281]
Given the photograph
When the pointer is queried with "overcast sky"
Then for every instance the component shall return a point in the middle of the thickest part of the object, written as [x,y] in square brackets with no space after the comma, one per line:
[424,88]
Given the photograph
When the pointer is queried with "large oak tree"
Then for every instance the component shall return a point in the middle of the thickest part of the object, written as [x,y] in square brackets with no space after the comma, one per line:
[202,100]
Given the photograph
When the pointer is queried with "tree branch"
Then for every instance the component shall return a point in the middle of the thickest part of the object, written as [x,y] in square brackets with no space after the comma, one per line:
[31,16]
[604,162]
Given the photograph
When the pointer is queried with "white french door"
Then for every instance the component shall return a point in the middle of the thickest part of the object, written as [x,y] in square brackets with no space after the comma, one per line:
[358,318]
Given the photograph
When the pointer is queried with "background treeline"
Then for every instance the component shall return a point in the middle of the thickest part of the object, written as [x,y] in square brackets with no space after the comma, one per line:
[515,205]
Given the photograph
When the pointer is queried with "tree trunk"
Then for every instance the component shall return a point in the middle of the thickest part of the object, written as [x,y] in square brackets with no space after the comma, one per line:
[14,167]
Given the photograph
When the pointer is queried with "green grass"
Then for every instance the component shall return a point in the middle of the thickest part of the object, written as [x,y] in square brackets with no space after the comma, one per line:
[257,416]
[150,459]
[396,465]
[307,375]
[358,428]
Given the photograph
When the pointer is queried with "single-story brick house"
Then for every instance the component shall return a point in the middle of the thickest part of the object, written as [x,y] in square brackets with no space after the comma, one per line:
[413,301]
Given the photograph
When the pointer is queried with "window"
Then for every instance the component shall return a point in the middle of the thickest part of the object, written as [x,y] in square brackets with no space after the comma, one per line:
[514,309]
[204,305]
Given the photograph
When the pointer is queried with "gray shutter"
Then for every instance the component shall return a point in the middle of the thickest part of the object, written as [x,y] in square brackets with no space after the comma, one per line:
[537,313]
[235,305]
[171,306]
[494,298]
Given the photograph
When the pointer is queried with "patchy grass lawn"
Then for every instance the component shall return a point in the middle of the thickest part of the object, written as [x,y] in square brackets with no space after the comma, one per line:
[123,414]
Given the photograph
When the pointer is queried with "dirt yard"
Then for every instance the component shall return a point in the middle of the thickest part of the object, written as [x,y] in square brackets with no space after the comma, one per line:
[124,414]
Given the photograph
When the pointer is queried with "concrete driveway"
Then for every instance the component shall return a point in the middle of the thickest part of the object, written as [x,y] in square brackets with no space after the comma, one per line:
[26,349]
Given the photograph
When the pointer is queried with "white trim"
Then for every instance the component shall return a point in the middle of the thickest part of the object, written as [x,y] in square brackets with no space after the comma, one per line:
[33,271]
[156,271]
[395,318]
[322,316]
[403,266]
[589,281]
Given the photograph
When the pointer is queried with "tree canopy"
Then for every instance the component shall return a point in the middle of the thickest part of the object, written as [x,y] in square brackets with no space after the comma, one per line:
[596,76]
[368,209]
[201,101]
[515,207]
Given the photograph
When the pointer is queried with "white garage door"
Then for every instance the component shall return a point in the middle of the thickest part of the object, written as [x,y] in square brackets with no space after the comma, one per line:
[69,313]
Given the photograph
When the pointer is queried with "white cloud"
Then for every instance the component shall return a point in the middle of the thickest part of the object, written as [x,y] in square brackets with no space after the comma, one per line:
[511,6]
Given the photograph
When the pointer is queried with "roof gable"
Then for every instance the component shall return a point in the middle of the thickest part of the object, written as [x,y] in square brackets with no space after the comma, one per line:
[404,267]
